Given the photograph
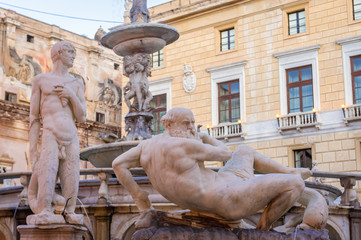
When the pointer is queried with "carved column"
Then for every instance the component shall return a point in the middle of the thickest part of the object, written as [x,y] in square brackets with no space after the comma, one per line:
[355,223]
[102,225]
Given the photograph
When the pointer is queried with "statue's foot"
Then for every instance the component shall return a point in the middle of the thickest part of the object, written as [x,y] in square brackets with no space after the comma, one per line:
[44,218]
[75,218]
[303,172]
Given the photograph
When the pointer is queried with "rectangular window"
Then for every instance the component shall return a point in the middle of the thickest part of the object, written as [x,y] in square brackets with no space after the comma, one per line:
[158,59]
[159,105]
[29,38]
[100,117]
[296,22]
[227,39]
[228,101]
[299,89]
[10,97]
[356,78]
[356,9]
[303,158]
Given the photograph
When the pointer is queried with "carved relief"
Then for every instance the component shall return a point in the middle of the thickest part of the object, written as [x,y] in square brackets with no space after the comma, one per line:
[24,68]
[189,78]
[110,94]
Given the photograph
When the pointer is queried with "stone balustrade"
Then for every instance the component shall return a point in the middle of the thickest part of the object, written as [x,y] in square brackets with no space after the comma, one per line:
[351,113]
[226,130]
[347,180]
[298,121]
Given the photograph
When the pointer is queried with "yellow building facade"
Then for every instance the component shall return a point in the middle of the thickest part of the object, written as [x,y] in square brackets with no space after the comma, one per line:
[280,76]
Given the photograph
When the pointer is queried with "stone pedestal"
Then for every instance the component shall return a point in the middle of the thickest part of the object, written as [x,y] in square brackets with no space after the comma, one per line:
[53,232]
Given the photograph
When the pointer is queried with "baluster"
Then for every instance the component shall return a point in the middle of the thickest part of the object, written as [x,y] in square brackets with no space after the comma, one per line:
[349,196]
[103,188]
[24,180]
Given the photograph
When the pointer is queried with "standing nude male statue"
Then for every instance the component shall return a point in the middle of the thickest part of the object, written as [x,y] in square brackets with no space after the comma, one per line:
[57,99]
[174,161]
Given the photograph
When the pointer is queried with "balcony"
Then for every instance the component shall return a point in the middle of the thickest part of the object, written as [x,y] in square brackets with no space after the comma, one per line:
[298,121]
[226,130]
[351,113]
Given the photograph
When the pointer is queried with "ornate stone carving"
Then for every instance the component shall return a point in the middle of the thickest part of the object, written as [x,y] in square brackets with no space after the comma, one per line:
[110,94]
[137,67]
[233,192]
[189,78]
[139,12]
[24,68]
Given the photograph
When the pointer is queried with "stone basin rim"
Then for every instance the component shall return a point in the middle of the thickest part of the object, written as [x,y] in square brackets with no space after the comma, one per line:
[135,31]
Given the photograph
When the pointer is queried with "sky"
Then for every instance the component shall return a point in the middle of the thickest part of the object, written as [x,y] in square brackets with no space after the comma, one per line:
[105,10]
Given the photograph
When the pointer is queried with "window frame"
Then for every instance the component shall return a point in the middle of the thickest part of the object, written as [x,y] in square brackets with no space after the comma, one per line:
[285,20]
[353,11]
[160,62]
[102,115]
[353,75]
[229,42]
[225,73]
[350,47]
[294,158]
[11,94]
[291,155]
[296,58]
[158,110]
[229,98]
[30,38]
[299,84]
[298,26]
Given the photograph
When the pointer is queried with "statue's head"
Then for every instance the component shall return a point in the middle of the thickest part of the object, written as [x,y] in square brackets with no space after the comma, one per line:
[179,122]
[63,49]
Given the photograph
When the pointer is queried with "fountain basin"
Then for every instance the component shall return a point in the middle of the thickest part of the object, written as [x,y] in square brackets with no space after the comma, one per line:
[144,37]
[102,156]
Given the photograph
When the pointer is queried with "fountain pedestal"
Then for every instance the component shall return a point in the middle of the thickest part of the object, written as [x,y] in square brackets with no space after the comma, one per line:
[53,231]
[135,42]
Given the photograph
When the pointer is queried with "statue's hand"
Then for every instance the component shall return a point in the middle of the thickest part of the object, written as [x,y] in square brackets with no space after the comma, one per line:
[64,92]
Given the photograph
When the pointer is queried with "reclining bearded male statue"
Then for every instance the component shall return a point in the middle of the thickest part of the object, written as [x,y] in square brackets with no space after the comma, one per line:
[174,160]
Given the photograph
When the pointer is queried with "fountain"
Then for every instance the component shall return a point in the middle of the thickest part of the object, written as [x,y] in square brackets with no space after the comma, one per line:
[134,42]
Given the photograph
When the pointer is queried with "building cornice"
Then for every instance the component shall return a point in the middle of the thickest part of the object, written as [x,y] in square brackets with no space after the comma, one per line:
[297,51]
[350,40]
[226,66]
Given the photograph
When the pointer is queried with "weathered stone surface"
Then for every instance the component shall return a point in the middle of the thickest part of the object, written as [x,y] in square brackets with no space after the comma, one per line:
[190,233]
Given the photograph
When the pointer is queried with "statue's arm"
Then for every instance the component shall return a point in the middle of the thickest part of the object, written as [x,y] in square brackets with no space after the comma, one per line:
[78,103]
[210,149]
[121,166]
[34,128]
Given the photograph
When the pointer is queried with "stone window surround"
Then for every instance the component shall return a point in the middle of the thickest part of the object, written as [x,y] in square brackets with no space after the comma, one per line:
[162,86]
[225,73]
[291,155]
[229,42]
[297,58]
[350,47]
[217,37]
[285,22]
[350,13]
[100,112]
